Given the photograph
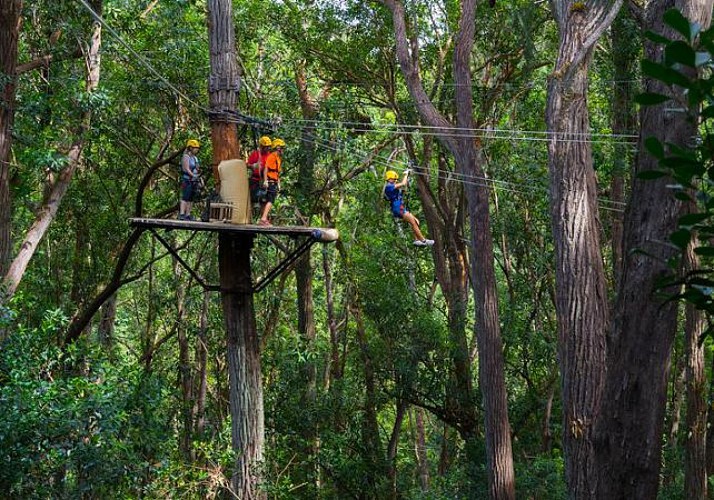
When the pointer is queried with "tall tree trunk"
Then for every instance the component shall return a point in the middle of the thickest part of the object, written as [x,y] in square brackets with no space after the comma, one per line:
[695,473]
[304,275]
[244,371]
[629,432]
[468,162]
[242,344]
[581,296]
[106,323]
[10,12]
[421,450]
[393,448]
[625,53]
[184,367]
[60,184]
[201,383]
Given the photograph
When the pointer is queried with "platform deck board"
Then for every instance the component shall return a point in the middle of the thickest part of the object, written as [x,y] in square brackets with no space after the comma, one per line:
[223,227]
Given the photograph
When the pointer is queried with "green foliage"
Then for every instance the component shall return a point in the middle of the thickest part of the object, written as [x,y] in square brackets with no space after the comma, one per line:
[691,168]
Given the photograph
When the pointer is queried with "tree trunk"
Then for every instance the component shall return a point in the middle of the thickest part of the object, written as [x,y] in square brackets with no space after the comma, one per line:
[421,450]
[304,278]
[223,83]
[106,323]
[243,347]
[58,188]
[626,45]
[629,432]
[201,383]
[581,296]
[393,448]
[10,12]
[244,371]
[695,473]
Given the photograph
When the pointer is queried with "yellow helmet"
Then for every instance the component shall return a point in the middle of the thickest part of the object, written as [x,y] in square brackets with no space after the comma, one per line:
[193,143]
[265,141]
[391,175]
[278,143]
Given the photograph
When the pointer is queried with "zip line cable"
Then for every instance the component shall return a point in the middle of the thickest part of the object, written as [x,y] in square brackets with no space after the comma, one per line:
[416,129]
[138,56]
[467,179]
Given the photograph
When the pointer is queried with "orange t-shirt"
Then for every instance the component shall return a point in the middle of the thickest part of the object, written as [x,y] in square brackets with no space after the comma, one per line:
[272,167]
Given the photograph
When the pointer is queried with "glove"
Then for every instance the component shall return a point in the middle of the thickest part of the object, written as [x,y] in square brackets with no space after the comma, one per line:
[408,171]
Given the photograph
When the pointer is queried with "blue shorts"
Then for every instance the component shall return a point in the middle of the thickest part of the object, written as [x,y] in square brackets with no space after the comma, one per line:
[398,209]
[187,189]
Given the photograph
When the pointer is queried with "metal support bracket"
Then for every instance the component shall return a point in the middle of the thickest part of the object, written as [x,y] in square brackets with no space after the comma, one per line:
[283,265]
[194,274]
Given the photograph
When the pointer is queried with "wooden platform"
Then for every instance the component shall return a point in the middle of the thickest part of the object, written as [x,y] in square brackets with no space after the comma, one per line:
[319,234]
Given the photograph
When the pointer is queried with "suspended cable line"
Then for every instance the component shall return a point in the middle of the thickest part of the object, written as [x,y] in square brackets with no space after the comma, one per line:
[139,57]
[523,135]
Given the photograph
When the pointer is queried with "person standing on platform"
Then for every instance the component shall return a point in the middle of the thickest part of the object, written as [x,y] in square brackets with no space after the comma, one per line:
[256,163]
[271,179]
[189,178]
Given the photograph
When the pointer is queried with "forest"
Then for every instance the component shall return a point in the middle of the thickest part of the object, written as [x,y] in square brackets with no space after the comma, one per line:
[553,343]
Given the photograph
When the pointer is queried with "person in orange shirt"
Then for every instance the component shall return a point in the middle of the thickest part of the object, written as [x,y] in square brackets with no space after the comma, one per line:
[256,163]
[271,179]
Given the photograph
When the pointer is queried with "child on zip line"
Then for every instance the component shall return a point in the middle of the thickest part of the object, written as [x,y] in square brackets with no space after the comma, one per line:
[394,193]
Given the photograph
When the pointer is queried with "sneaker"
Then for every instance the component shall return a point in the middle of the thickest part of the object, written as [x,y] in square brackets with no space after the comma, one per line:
[262,222]
[428,243]
[419,243]
[181,217]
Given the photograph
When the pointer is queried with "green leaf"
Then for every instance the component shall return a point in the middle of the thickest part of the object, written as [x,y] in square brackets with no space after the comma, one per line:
[704,251]
[708,112]
[656,37]
[651,174]
[650,98]
[691,219]
[682,196]
[665,74]
[680,52]
[681,238]
[655,147]
[678,22]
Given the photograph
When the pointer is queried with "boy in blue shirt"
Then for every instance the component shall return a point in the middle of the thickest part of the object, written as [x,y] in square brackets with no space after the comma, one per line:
[394,194]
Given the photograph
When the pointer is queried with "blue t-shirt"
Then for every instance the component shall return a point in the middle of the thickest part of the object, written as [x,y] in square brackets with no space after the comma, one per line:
[394,196]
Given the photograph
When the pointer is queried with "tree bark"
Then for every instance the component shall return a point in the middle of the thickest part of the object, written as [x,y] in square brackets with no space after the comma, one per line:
[626,45]
[304,276]
[223,83]
[244,371]
[243,346]
[695,472]
[629,432]
[10,12]
[421,450]
[581,296]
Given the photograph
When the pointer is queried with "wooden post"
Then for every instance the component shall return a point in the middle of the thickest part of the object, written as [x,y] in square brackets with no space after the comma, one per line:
[242,347]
